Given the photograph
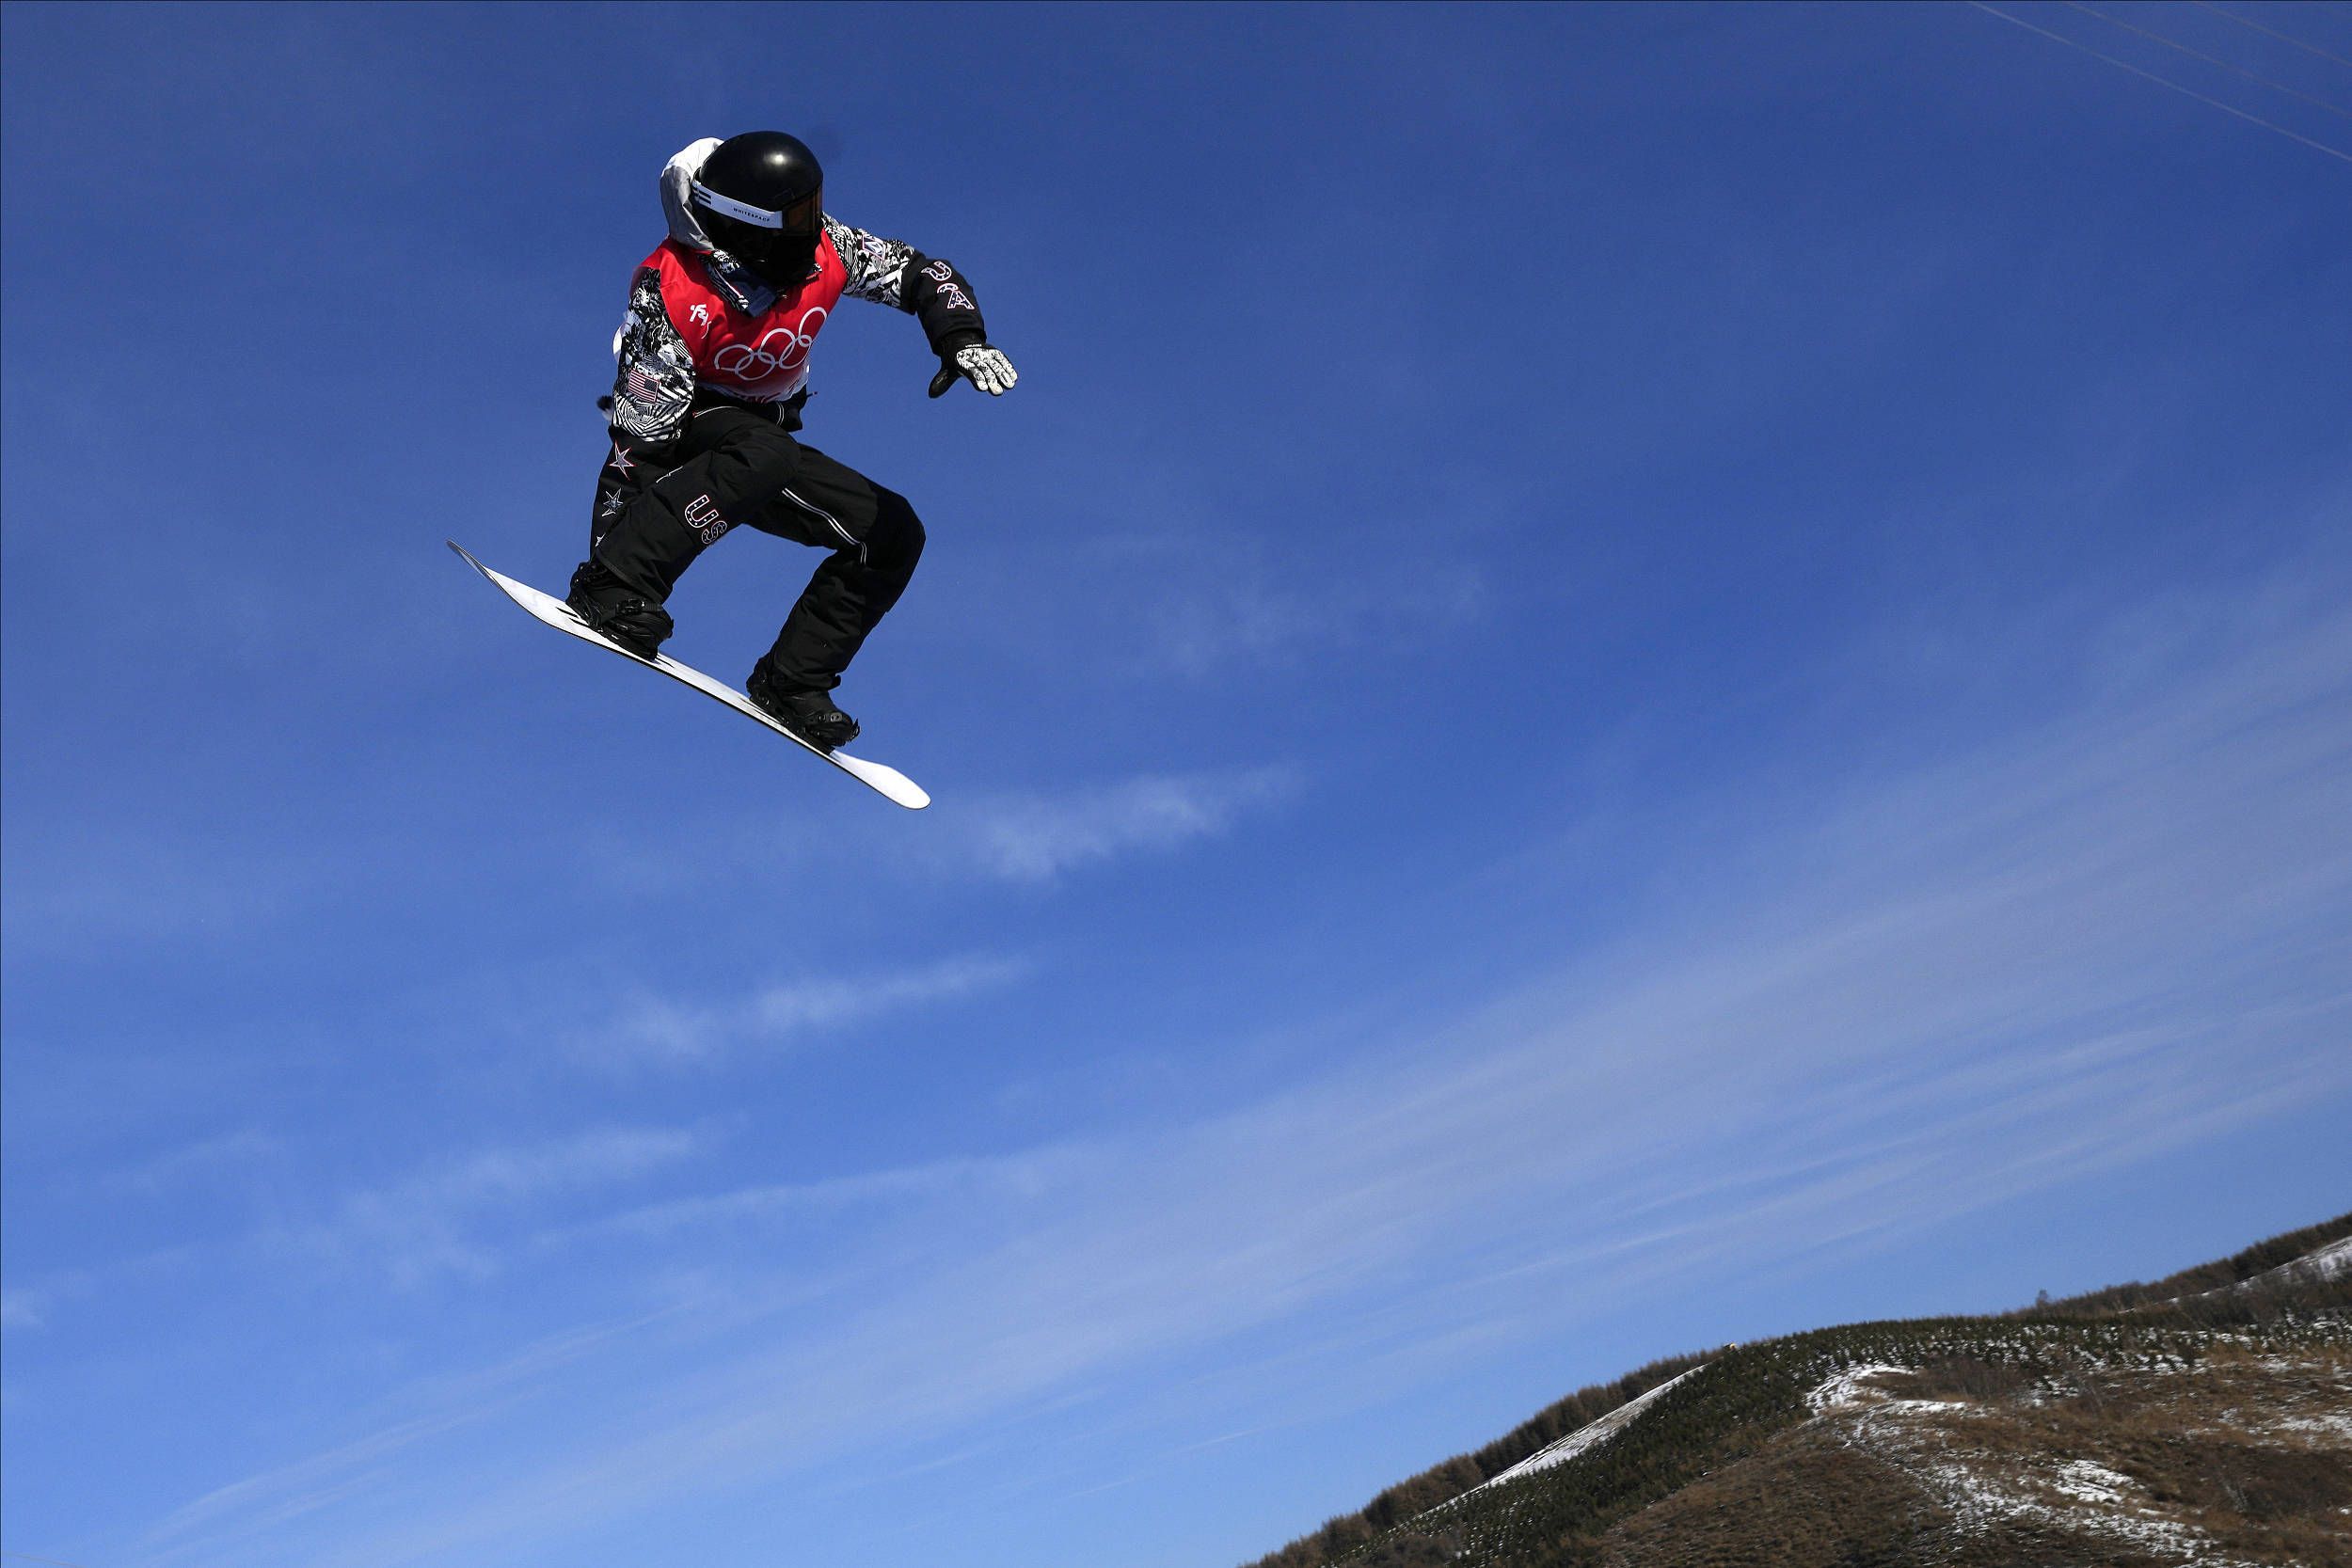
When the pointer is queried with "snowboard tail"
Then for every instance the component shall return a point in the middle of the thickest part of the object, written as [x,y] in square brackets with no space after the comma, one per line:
[888,783]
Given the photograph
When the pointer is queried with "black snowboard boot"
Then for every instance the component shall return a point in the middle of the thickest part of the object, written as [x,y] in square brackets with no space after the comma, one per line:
[810,715]
[616,611]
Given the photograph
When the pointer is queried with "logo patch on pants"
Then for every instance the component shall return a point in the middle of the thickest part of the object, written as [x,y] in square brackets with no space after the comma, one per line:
[702,516]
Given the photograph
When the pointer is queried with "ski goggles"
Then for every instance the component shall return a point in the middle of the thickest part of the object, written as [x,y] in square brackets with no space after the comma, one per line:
[804,217]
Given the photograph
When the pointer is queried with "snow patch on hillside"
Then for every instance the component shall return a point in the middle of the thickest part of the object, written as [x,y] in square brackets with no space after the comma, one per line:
[1992,1473]
[1587,1438]
[2333,1262]
[1843,1390]
[2315,1267]
[2092,1482]
[2076,1496]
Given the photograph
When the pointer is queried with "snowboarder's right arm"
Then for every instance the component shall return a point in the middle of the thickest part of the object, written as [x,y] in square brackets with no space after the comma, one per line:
[655,380]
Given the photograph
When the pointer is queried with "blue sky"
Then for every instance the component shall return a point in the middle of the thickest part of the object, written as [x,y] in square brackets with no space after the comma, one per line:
[1624,677]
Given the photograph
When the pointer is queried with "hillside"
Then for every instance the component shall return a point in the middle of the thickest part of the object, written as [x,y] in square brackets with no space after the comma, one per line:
[2206,1418]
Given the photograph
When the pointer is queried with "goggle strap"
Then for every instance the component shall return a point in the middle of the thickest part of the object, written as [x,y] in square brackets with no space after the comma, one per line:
[759,218]
[740,212]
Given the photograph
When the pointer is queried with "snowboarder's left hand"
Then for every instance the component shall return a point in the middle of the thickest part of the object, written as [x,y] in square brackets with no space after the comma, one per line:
[982,364]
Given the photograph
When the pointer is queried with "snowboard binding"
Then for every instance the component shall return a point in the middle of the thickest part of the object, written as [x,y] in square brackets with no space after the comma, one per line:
[617,613]
[810,715]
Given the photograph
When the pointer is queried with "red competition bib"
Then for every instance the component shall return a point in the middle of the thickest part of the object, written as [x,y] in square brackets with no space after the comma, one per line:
[761,359]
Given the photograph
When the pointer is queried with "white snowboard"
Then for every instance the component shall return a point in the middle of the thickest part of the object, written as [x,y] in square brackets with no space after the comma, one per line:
[887,782]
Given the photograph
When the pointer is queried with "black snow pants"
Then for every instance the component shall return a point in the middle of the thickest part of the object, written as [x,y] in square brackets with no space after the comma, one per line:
[659,507]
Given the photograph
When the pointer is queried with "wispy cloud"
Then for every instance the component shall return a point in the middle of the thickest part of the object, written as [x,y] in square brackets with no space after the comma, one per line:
[71,887]
[191,1162]
[657,1028]
[2111,940]
[751,1206]
[251,1508]
[432,1223]
[1211,596]
[26,1307]
[1037,838]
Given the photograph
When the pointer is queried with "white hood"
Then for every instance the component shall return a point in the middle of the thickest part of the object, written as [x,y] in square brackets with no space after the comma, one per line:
[751,292]
[678,184]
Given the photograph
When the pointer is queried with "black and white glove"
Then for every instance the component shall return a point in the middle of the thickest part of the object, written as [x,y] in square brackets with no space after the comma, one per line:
[983,365]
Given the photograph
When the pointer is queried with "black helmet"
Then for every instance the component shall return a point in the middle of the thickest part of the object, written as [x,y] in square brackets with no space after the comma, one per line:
[761,198]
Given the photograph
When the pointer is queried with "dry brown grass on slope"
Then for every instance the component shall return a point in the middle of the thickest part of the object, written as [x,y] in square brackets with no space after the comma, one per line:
[2243,1460]
[1806,1501]
[2227,1478]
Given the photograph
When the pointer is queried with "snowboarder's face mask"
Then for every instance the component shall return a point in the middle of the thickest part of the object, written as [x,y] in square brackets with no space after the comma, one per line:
[780,245]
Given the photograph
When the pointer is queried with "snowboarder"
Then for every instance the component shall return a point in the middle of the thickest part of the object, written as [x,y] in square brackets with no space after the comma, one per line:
[713,376]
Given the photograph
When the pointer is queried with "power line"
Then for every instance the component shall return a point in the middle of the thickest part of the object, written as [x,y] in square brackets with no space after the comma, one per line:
[2274,32]
[2119,22]
[2164,82]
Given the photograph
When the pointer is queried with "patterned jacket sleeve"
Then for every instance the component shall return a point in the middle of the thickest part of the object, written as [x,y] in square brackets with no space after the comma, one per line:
[889,272]
[655,381]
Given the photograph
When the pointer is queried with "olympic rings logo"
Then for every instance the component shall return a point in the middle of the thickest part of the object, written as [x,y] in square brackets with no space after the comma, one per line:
[756,362]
